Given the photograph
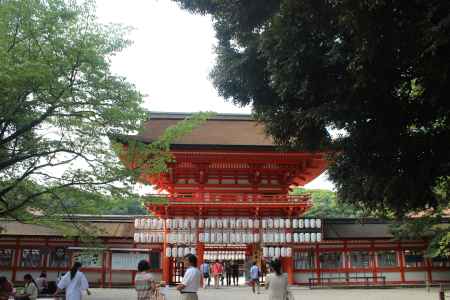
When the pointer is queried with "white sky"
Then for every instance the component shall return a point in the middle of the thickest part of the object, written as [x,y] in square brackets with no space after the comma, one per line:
[171,57]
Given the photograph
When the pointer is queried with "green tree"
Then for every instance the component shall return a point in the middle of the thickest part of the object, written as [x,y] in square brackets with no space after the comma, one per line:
[60,107]
[326,205]
[59,102]
[378,71]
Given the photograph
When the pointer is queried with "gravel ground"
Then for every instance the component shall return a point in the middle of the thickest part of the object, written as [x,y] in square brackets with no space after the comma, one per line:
[244,293]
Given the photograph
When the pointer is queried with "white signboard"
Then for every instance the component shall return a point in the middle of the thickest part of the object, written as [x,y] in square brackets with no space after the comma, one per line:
[127,261]
[89,260]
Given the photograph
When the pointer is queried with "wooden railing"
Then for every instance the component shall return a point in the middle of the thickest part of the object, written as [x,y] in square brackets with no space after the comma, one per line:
[231,197]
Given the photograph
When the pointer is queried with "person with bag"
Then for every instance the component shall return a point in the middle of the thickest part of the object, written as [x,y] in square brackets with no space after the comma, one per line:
[144,283]
[277,283]
[30,291]
[74,282]
[217,270]
[205,269]
[255,273]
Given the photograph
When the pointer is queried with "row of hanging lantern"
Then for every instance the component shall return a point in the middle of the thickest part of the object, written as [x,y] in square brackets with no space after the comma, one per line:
[181,237]
[224,255]
[229,237]
[148,223]
[288,223]
[275,252]
[148,237]
[231,223]
[287,237]
[179,251]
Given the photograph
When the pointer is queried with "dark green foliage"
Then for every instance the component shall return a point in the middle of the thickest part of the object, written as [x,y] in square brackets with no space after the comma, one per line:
[326,205]
[378,71]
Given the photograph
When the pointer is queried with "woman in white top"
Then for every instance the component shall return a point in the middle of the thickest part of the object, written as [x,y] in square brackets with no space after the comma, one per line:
[277,282]
[74,282]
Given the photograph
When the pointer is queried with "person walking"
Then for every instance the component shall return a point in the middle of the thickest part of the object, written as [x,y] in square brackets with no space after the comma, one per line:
[217,270]
[42,283]
[228,272]
[254,277]
[31,290]
[206,272]
[277,282]
[235,270]
[191,280]
[143,282]
[74,282]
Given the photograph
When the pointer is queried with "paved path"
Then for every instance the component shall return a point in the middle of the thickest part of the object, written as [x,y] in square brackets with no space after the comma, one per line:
[244,293]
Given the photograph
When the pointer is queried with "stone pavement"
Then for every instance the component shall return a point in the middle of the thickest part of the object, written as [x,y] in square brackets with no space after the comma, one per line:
[244,293]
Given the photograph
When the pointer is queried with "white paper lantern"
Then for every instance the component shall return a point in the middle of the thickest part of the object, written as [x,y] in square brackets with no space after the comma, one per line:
[313,237]
[201,223]
[187,251]
[270,223]
[271,252]
[256,238]
[288,237]
[238,223]
[225,237]
[154,224]
[207,223]
[296,237]
[244,223]
[238,237]
[192,250]
[288,252]
[265,252]
[318,237]
[282,237]
[287,223]
[137,223]
[256,223]
[213,223]
[232,223]
[302,237]
[281,223]
[136,237]
[276,237]
[283,252]
[307,223]
[318,223]
[307,237]
[168,223]
[264,223]
[295,223]
[219,223]
[301,223]
[168,252]
[148,224]
[160,237]
[250,223]
[276,223]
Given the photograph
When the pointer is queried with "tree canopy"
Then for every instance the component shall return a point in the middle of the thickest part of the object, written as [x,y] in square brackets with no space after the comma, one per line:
[59,103]
[376,71]
[326,205]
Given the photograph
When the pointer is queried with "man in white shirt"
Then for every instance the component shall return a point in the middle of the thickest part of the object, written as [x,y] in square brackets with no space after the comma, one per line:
[191,279]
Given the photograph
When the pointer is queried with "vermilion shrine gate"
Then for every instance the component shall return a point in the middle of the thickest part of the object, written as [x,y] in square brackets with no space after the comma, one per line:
[229,180]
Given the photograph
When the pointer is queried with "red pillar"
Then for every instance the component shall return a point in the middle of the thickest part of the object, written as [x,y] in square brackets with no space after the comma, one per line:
[165,260]
[288,267]
[200,249]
